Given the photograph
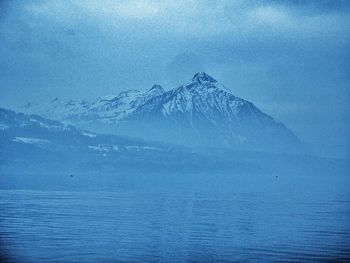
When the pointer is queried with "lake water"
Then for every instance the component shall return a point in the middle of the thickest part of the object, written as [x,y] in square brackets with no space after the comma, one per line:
[278,219]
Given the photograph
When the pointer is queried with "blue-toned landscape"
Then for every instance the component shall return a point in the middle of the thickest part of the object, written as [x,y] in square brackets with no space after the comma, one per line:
[187,131]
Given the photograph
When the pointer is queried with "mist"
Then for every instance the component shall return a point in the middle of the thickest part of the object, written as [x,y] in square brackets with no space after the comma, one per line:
[174,131]
[290,58]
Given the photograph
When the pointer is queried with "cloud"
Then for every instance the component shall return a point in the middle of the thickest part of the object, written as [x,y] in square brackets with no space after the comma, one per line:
[190,18]
[133,9]
[312,7]
[269,15]
[183,66]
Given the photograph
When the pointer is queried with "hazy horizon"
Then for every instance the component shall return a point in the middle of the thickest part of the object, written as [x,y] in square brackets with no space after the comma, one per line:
[247,161]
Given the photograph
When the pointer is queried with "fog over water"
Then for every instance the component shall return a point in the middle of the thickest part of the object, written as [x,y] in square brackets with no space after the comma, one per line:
[174,131]
[197,217]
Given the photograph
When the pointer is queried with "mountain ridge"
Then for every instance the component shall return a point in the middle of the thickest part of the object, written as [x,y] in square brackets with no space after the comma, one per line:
[31,144]
[200,113]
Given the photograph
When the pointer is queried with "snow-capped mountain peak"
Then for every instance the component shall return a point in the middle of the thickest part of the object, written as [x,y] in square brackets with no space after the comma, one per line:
[202,77]
[156,90]
[202,112]
[203,84]
[105,97]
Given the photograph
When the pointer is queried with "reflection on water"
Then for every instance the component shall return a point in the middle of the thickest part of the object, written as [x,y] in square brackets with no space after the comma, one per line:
[167,226]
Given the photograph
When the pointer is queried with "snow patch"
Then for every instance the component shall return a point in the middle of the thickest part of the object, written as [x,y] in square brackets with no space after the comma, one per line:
[108,97]
[138,148]
[100,148]
[30,140]
[91,135]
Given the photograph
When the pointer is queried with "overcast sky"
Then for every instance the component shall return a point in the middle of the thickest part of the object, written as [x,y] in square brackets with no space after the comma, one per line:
[290,58]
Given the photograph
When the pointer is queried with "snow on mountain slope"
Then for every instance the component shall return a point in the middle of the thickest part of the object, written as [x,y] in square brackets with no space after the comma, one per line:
[204,113]
[108,109]
[206,99]
[32,144]
[201,113]
[33,129]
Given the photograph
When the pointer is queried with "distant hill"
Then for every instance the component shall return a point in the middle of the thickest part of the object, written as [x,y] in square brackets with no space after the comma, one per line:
[32,144]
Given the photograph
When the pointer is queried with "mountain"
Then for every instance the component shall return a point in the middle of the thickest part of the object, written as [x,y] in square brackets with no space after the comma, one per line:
[201,113]
[39,153]
[106,109]
[30,144]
